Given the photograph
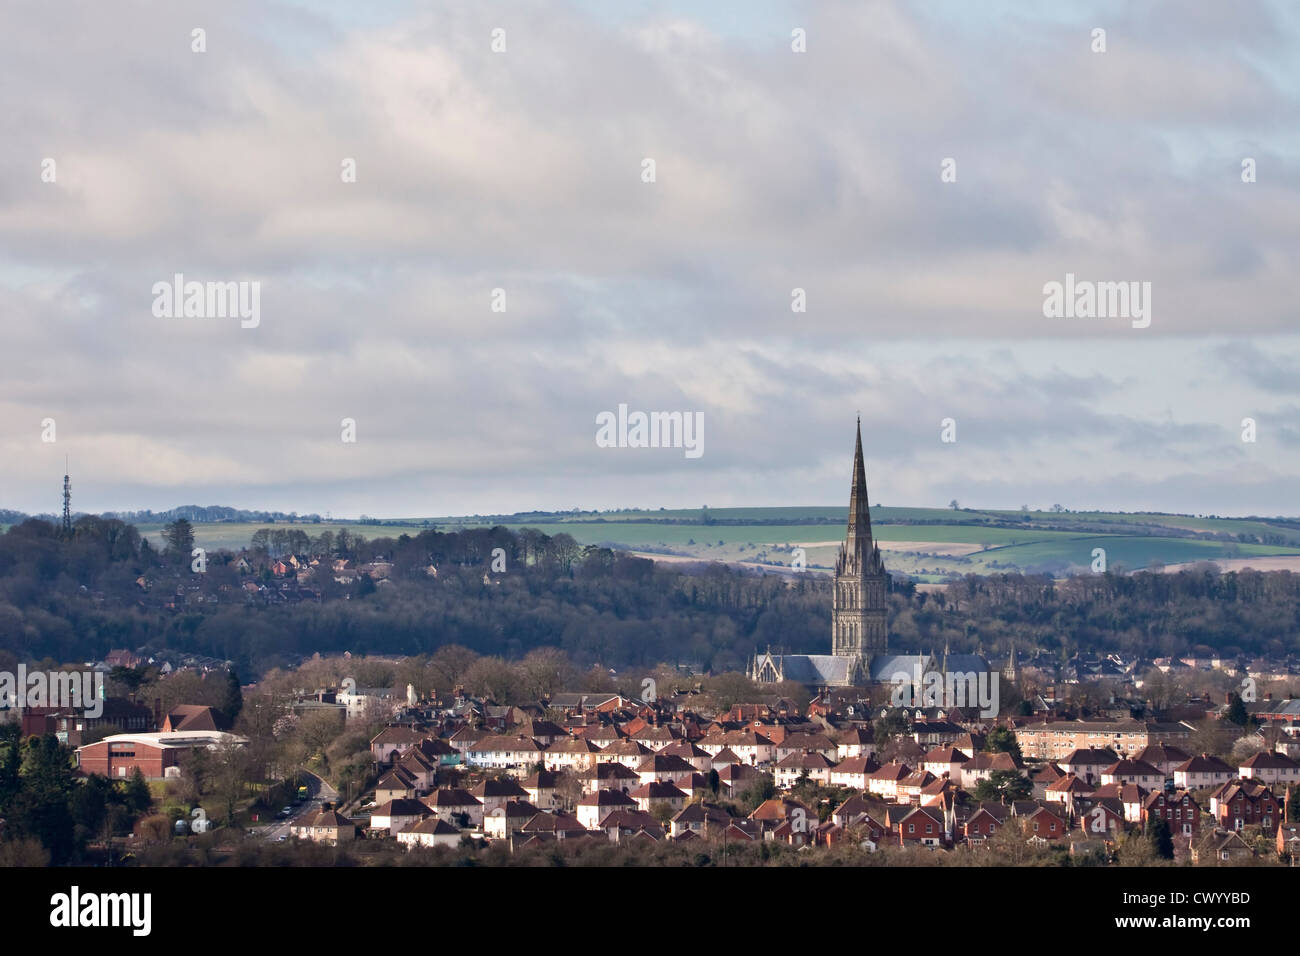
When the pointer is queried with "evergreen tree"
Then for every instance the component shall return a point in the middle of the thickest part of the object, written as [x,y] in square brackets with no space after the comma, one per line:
[138,797]
[1161,842]
[1002,740]
[232,700]
[179,536]
[1236,712]
[41,808]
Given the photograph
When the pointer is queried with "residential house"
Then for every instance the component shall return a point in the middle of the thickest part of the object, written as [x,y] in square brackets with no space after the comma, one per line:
[1067,791]
[624,825]
[1196,773]
[1242,803]
[701,760]
[456,806]
[429,832]
[1129,795]
[559,825]
[858,742]
[422,769]
[393,740]
[1088,763]
[541,788]
[1044,825]
[1225,847]
[594,807]
[395,784]
[1270,768]
[612,776]
[751,747]
[325,825]
[800,743]
[909,789]
[573,754]
[494,793]
[1176,808]
[518,756]
[658,793]
[984,822]
[923,825]
[626,751]
[770,814]
[945,760]
[812,765]
[655,737]
[1103,820]
[396,815]
[664,767]
[854,772]
[1133,771]
[1164,757]
[884,782]
[508,818]
[703,819]
[735,778]
[982,766]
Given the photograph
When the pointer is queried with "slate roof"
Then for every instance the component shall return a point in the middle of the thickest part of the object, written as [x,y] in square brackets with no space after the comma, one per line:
[816,668]
[884,666]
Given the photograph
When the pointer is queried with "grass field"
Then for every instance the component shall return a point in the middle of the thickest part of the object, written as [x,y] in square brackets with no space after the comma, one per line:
[945,541]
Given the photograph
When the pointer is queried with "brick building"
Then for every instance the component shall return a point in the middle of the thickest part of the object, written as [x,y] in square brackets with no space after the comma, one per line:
[158,755]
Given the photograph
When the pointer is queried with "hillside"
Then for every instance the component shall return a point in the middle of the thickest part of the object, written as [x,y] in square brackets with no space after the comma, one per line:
[929,543]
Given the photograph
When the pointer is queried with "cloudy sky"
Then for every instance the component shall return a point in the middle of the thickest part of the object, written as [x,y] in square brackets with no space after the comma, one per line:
[523,170]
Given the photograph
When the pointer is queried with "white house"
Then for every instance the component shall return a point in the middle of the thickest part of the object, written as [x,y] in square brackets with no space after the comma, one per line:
[1270,768]
[1202,771]
[429,832]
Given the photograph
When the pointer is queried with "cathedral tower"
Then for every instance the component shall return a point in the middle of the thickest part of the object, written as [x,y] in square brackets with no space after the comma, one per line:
[858,615]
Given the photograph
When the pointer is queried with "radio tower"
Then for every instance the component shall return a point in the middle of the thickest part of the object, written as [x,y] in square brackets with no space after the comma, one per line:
[67,500]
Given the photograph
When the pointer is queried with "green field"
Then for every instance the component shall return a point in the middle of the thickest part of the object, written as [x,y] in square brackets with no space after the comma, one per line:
[943,541]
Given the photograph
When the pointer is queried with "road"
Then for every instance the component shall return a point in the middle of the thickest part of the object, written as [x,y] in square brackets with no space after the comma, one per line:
[318,792]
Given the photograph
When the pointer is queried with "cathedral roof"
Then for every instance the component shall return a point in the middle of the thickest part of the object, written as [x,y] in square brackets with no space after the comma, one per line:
[818,668]
[884,667]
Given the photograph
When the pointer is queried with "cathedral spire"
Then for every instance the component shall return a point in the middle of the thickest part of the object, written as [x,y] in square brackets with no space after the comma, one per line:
[859,544]
[859,626]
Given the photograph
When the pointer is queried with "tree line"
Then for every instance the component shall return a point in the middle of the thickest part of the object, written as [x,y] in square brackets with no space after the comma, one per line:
[72,599]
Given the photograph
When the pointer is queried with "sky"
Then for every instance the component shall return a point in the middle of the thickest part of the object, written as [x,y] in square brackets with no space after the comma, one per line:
[524,170]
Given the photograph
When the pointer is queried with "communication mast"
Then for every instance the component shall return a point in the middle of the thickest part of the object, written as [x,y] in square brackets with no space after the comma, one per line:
[67,500]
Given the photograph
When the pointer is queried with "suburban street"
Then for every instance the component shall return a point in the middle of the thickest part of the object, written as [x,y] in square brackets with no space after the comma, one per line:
[319,792]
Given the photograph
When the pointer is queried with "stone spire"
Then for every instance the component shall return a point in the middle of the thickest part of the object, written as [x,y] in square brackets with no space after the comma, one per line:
[858,613]
[859,553]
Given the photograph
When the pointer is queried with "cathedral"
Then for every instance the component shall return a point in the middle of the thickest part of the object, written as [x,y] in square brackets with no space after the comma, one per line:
[859,627]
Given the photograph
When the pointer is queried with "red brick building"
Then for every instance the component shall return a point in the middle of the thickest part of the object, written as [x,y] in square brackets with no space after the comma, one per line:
[157,755]
[1244,803]
[1176,808]
[71,726]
